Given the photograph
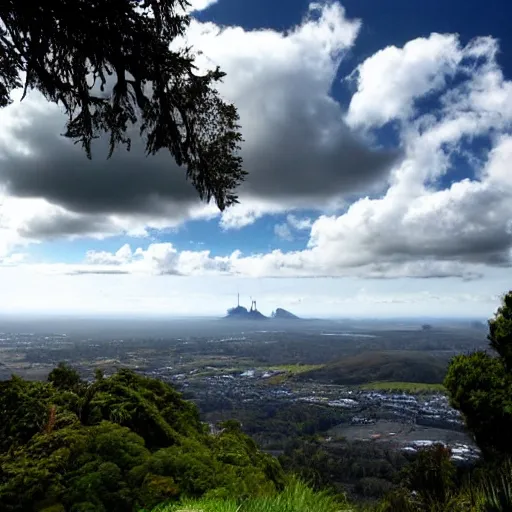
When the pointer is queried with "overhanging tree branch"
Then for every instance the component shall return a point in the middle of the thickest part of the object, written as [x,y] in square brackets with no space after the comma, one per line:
[68,50]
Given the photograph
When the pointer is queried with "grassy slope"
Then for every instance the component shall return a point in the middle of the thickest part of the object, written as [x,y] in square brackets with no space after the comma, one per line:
[408,387]
[289,371]
[391,366]
[296,497]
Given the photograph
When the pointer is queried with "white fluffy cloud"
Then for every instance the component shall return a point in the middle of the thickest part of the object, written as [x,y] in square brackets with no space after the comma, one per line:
[298,150]
[199,5]
[391,80]
[156,259]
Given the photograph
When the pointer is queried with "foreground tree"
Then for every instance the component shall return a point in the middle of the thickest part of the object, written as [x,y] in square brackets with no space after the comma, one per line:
[480,387]
[117,444]
[428,483]
[109,64]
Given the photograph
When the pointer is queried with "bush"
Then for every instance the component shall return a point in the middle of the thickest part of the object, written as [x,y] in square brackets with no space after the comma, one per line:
[117,444]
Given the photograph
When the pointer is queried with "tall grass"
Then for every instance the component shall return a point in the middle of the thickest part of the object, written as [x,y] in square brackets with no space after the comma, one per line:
[489,493]
[296,497]
[486,491]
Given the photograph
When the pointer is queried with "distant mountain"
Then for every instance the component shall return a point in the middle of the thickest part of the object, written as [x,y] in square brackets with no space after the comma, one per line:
[241,313]
[256,315]
[282,314]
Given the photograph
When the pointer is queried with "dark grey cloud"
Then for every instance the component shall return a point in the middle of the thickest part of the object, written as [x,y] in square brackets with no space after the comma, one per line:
[64,223]
[58,170]
[309,153]
[302,157]
[421,269]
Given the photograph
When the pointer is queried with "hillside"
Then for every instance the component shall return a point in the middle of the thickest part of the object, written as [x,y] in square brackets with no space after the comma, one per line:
[117,444]
[283,314]
[241,313]
[395,366]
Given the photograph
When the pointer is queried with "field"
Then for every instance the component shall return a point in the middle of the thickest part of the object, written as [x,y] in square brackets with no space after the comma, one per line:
[295,369]
[413,388]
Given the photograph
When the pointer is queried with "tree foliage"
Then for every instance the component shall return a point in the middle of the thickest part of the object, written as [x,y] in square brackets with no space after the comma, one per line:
[432,483]
[114,65]
[117,444]
[431,476]
[480,387]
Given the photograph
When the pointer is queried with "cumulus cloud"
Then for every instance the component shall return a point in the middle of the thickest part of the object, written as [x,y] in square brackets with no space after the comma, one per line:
[199,5]
[164,259]
[13,259]
[299,151]
[424,225]
[46,166]
[122,255]
[424,215]
[156,259]
[467,222]
[391,80]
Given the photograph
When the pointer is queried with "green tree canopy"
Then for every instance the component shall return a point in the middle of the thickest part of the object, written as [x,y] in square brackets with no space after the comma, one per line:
[480,386]
[109,63]
[117,444]
[65,378]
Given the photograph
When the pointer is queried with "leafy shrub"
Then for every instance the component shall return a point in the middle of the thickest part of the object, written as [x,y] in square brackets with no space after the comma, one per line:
[117,444]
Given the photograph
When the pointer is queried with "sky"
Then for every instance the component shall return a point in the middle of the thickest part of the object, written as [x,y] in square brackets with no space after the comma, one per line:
[378,141]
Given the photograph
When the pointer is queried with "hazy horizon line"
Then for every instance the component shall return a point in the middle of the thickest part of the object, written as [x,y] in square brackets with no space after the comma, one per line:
[161,316]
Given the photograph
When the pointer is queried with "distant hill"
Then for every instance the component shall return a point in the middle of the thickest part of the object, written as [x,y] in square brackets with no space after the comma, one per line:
[281,313]
[399,366]
[241,313]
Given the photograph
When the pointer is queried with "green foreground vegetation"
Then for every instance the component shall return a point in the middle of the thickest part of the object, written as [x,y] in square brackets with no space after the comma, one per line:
[405,387]
[295,497]
[118,444]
